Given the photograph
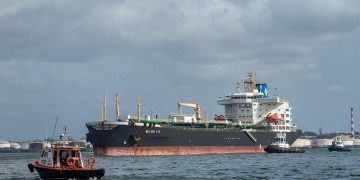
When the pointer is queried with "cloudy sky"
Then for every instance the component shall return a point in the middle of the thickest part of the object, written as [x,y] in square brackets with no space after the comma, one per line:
[59,57]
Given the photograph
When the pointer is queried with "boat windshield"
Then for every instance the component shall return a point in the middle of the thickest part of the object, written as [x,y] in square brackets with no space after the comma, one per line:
[64,154]
[277,139]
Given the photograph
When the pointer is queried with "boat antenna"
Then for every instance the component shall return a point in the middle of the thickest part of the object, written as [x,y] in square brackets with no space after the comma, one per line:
[57,117]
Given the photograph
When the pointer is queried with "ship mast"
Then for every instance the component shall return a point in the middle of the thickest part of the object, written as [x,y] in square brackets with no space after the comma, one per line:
[104,109]
[250,82]
[117,112]
[138,108]
[206,118]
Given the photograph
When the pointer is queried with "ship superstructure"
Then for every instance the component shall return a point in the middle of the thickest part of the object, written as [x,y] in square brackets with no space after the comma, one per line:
[254,107]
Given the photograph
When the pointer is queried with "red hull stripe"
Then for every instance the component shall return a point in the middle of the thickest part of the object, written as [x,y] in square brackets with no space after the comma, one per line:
[60,168]
[176,150]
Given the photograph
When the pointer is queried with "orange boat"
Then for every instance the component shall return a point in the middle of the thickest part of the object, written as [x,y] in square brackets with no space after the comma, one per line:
[65,162]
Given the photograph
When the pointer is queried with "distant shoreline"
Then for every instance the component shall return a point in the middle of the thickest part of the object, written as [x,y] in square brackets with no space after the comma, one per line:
[12,150]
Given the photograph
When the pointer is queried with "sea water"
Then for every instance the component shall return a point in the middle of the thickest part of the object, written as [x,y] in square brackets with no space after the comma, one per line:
[313,164]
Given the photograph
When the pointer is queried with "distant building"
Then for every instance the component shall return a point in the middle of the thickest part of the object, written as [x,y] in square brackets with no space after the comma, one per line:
[347,140]
[24,145]
[323,142]
[356,142]
[4,144]
[80,143]
[38,146]
[14,145]
[303,143]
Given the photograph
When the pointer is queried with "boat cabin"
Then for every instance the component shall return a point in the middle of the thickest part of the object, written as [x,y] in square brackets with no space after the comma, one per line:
[280,141]
[61,156]
[337,142]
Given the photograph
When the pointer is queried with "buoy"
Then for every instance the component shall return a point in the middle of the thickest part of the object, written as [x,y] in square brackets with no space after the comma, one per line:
[70,161]
[91,161]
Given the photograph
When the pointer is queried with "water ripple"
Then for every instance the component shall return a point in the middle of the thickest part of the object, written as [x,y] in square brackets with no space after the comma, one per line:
[313,164]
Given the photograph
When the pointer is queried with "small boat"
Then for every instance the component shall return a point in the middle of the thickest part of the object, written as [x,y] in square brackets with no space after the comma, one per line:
[280,145]
[65,162]
[338,145]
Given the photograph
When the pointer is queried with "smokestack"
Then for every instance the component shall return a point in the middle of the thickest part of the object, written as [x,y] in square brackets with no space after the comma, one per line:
[352,125]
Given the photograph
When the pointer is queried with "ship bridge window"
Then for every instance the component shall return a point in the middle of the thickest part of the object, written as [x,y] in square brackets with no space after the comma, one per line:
[73,153]
[287,109]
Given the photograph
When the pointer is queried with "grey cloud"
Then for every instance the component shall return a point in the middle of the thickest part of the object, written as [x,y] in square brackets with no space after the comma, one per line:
[169,50]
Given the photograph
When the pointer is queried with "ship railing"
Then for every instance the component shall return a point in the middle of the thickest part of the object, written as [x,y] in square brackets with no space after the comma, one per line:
[197,125]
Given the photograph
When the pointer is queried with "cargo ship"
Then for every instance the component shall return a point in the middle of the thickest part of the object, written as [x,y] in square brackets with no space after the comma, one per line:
[251,120]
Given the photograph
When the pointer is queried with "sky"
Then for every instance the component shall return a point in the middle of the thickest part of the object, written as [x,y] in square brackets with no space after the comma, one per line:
[60,57]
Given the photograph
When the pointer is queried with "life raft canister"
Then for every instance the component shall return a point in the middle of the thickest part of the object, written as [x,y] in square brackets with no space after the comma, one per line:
[272,118]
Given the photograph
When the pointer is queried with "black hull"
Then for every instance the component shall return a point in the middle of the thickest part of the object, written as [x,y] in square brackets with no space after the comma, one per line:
[275,149]
[336,148]
[51,173]
[109,137]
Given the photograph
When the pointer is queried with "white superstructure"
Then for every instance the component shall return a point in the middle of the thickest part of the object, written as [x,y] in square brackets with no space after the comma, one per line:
[4,144]
[254,107]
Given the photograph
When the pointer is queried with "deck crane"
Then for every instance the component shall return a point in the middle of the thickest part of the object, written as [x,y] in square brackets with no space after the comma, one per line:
[193,105]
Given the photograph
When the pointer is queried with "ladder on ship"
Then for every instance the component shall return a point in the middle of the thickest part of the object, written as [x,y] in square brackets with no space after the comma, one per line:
[251,136]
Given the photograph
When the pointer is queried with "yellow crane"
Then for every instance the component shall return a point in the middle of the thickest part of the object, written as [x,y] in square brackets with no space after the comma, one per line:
[193,105]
